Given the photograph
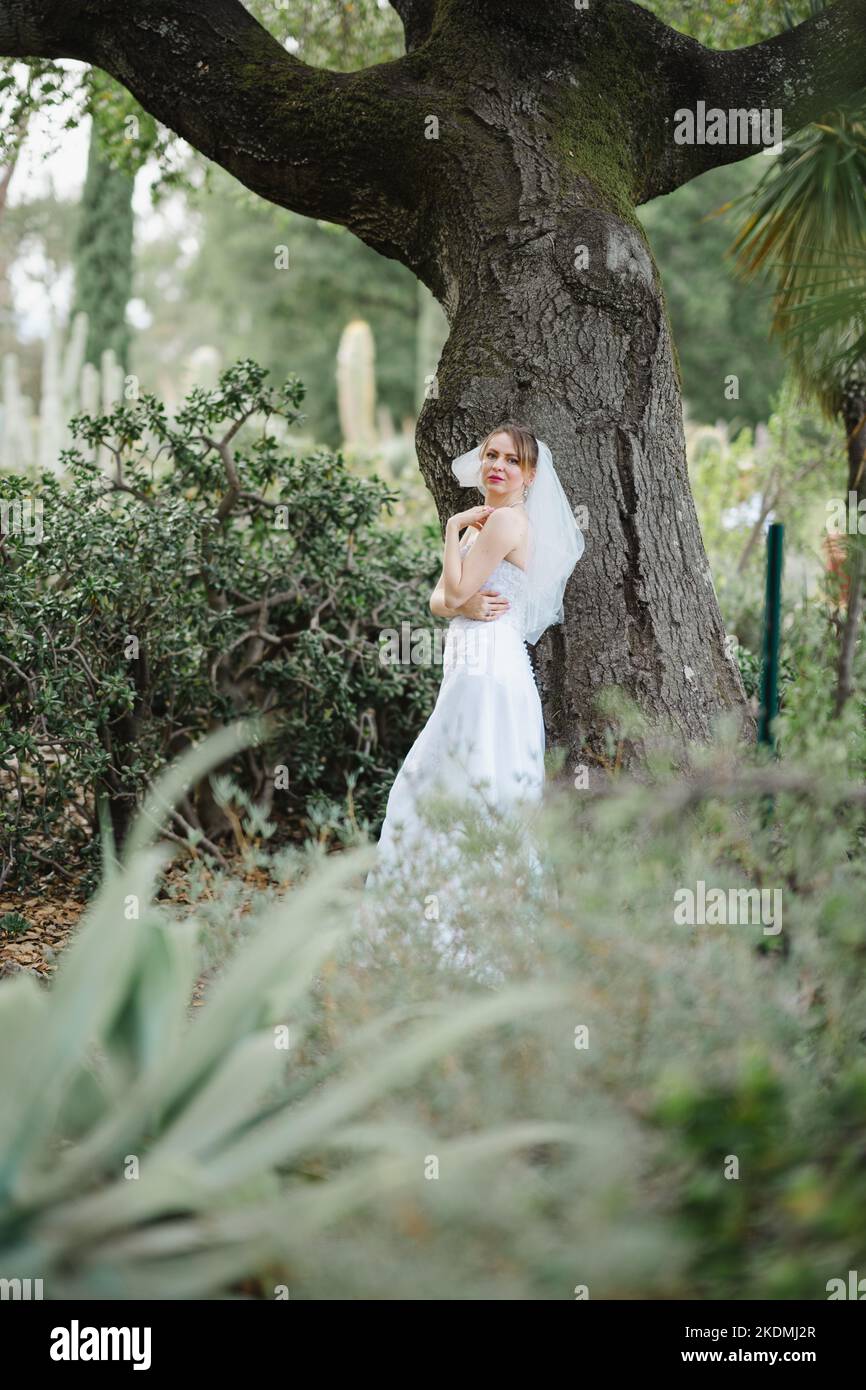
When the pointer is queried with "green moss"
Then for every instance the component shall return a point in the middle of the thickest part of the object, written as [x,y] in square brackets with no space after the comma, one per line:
[593,141]
[604,122]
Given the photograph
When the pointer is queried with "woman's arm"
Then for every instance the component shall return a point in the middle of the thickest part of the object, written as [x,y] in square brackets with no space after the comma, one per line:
[485,606]
[438,607]
[464,575]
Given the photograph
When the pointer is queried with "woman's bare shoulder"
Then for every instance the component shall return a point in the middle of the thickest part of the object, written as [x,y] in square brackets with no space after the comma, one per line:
[514,526]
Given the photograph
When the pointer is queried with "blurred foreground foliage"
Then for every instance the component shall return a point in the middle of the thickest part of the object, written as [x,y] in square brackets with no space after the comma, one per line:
[563,1092]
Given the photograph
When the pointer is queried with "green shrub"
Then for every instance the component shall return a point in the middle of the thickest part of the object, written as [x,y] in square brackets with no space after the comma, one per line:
[205,575]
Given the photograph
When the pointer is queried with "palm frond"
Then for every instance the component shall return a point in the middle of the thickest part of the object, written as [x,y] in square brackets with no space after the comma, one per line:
[806,233]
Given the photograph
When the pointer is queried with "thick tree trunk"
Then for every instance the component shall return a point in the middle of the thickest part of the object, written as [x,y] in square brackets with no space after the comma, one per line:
[567,333]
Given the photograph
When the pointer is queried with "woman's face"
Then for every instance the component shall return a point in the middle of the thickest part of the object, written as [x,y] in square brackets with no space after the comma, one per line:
[501,473]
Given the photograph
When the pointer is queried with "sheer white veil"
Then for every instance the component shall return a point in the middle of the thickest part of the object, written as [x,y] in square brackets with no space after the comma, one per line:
[556,541]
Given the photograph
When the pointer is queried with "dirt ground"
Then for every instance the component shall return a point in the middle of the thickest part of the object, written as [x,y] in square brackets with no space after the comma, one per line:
[51,918]
[53,912]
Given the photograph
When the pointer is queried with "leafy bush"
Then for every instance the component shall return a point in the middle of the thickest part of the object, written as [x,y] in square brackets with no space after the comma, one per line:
[205,575]
[750,669]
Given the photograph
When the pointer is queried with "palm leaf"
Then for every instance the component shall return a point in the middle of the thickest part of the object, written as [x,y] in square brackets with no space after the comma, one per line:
[806,233]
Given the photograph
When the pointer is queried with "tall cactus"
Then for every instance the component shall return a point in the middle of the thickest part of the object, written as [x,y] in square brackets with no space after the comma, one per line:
[73,360]
[356,386]
[16,439]
[69,385]
[51,420]
[431,335]
[369,432]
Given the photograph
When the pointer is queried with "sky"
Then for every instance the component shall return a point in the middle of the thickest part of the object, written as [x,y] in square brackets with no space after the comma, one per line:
[54,161]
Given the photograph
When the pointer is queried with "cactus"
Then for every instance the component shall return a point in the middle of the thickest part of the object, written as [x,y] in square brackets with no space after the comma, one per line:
[68,385]
[369,434]
[50,418]
[431,336]
[73,358]
[16,442]
[356,386]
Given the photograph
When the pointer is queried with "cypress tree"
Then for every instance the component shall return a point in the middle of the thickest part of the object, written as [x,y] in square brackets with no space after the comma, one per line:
[103,253]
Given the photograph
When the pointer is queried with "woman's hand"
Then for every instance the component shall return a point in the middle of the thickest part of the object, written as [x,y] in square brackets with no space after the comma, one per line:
[475,516]
[484,606]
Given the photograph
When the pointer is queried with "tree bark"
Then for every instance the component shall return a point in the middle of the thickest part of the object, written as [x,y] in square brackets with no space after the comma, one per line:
[501,159]
[584,357]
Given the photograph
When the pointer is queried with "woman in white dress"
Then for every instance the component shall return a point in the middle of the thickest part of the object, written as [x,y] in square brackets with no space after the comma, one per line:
[484,741]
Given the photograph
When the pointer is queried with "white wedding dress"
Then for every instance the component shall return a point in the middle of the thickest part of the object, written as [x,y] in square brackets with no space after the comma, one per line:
[457,847]
[483,743]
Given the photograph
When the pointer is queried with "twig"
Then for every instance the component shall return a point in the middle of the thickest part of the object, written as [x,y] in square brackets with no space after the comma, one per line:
[202,839]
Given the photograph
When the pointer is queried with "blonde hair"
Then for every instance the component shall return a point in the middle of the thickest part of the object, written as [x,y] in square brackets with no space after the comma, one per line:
[525,445]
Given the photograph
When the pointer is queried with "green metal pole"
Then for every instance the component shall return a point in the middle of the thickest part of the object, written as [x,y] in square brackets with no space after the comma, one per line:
[769,669]
[772,634]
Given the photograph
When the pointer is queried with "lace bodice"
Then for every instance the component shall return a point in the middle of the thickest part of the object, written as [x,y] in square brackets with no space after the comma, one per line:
[509,581]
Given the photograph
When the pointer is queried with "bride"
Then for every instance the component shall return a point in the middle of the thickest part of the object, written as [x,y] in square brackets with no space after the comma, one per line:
[501,588]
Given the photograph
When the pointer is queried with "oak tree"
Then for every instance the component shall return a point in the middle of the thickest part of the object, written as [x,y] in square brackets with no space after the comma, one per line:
[501,158]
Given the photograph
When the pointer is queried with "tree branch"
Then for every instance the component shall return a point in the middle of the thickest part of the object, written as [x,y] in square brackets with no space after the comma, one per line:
[417,18]
[353,148]
[804,73]
[326,144]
